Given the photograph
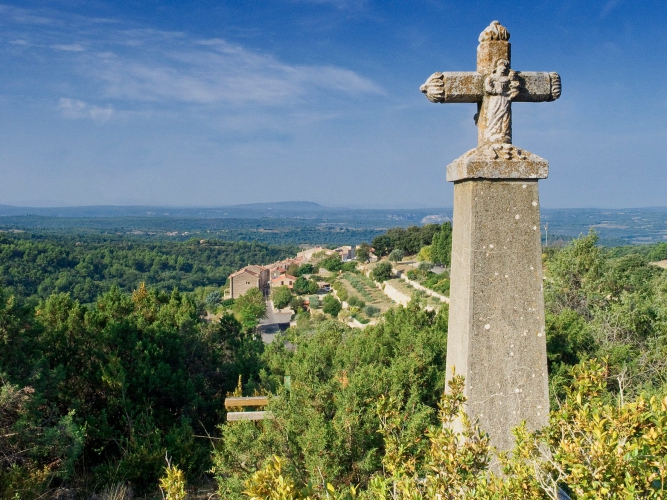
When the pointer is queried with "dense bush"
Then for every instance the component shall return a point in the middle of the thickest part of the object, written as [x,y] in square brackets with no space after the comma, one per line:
[602,305]
[114,386]
[396,255]
[371,311]
[410,241]
[331,305]
[326,424]
[355,301]
[591,449]
[382,272]
[281,296]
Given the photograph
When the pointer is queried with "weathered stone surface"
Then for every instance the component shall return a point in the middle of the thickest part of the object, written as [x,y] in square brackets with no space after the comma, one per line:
[496,314]
[494,86]
[489,52]
[498,161]
[454,87]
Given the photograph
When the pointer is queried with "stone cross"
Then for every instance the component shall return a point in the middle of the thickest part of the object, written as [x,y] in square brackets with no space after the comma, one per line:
[496,337]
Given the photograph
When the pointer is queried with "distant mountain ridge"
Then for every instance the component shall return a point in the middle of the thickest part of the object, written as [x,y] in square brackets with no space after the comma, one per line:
[281,205]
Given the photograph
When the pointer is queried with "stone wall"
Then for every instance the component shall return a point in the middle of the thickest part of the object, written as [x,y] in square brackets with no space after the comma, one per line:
[396,295]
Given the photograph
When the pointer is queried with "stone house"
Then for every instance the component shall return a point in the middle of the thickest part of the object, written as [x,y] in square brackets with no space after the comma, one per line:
[247,278]
[346,252]
[283,280]
[307,254]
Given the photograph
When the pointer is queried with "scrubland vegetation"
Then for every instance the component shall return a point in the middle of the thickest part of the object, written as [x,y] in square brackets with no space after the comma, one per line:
[95,392]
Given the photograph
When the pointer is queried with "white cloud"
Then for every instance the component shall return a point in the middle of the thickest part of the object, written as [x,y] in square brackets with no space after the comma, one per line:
[76,109]
[72,47]
[150,70]
[215,71]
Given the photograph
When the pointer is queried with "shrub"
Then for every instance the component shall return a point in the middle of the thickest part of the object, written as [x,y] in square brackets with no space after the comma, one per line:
[355,301]
[281,297]
[396,255]
[592,448]
[341,291]
[213,298]
[371,311]
[331,305]
[382,272]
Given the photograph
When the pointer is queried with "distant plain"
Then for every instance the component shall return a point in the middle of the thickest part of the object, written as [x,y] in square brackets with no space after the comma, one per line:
[311,223]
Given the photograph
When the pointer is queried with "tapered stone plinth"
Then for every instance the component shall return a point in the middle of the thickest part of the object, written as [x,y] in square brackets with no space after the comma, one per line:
[496,333]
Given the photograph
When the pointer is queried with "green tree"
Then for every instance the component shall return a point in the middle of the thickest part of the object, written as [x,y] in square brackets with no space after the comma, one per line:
[301,286]
[281,297]
[213,299]
[441,246]
[396,255]
[332,263]
[363,252]
[382,272]
[293,270]
[331,305]
[250,308]
[313,287]
[306,268]
[424,254]
[382,245]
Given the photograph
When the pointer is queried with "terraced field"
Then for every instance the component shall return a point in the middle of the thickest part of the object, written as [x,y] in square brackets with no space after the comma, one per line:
[365,289]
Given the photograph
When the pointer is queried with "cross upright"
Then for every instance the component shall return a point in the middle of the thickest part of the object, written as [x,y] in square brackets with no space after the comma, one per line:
[496,335]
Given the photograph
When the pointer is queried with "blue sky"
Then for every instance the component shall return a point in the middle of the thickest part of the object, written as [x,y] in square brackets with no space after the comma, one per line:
[208,103]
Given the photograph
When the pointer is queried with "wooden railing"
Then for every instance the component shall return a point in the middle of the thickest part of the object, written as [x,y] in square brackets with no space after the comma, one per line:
[255,401]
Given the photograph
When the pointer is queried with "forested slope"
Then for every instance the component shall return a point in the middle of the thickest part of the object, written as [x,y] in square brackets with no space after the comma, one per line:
[86,265]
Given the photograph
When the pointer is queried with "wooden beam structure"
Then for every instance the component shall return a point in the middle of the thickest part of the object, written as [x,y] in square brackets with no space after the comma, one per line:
[256,401]
[234,416]
[249,401]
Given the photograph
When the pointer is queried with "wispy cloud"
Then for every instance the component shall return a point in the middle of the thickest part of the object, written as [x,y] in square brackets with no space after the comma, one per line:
[75,109]
[127,64]
[214,71]
[608,7]
[72,47]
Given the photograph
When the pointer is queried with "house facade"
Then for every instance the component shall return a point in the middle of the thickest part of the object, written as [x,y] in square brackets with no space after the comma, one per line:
[346,252]
[283,280]
[247,278]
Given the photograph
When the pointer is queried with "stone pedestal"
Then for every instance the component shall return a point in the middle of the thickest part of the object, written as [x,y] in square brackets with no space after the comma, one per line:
[496,336]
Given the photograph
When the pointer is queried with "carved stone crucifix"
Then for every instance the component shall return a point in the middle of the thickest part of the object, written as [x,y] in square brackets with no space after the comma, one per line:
[496,334]
[494,86]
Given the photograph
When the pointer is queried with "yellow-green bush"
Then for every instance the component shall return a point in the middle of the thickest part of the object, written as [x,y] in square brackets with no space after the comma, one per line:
[591,449]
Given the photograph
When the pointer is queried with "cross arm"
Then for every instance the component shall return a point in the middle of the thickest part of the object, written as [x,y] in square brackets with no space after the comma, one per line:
[469,87]
[454,87]
[537,87]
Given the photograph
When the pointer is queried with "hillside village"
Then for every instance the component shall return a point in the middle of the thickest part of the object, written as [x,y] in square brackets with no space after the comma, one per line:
[337,282]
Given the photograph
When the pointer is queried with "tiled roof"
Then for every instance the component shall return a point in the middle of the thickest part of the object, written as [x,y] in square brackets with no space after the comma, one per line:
[283,277]
[254,270]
